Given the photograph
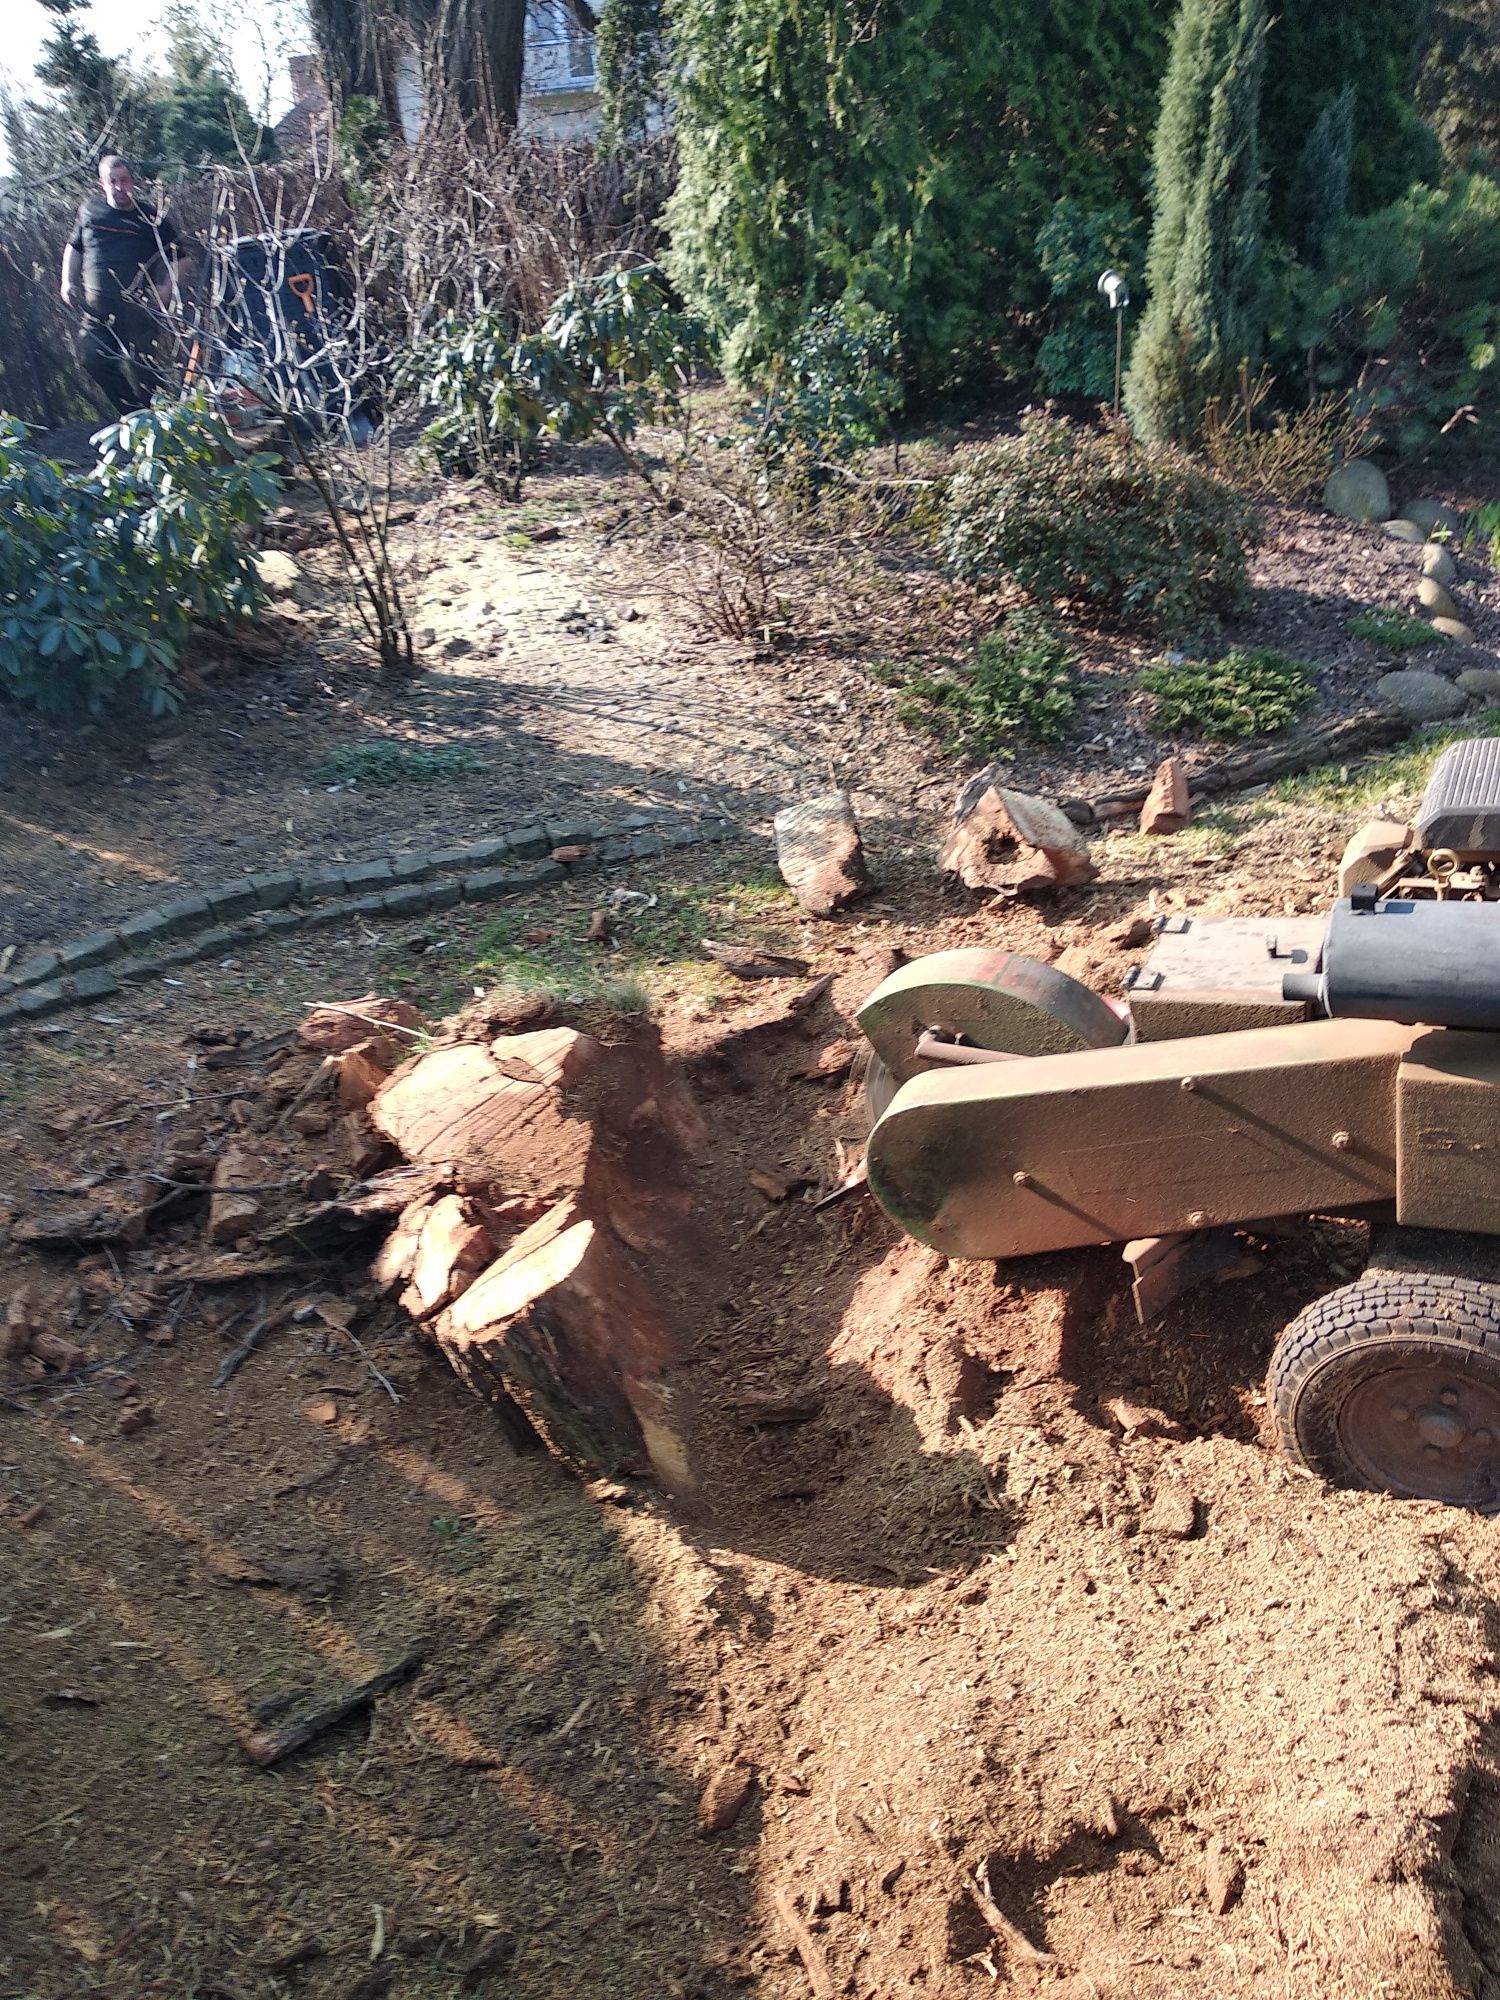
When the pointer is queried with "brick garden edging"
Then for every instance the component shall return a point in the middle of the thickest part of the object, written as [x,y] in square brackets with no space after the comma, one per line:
[256,907]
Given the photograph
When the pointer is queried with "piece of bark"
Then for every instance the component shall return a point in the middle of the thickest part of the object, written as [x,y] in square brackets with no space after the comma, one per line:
[828,1065]
[725,1797]
[368,1205]
[814,1964]
[1006,840]
[331,1030]
[1132,933]
[232,1214]
[1223,1878]
[451,1251]
[565,1326]
[748,962]
[820,854]
[267,1747]
[1167,808]
[56,1350]
[121,1220]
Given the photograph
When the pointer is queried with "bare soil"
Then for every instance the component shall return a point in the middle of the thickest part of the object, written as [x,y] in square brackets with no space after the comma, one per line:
[1045,1671]
[945,1620]
[575,669]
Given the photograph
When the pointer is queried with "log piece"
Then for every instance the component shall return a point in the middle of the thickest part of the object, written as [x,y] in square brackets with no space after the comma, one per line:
[499,1112]
[1006,840]
[565,1325]
[230,1213]
[454,1246]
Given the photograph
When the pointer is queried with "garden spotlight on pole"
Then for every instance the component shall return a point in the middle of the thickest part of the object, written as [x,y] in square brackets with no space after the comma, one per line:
[1116,295]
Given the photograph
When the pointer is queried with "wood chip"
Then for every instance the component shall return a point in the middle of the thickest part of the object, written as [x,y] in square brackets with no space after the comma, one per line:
[725,1797]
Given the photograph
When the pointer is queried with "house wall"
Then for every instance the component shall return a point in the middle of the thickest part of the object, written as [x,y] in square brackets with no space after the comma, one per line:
[559,93]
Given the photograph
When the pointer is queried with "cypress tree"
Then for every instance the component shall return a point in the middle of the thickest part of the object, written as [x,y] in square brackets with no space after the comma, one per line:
[1318,199]
[1204,269]
[895,153]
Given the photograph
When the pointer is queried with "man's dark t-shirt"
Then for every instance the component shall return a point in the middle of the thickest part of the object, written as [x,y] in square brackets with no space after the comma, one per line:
[117,244]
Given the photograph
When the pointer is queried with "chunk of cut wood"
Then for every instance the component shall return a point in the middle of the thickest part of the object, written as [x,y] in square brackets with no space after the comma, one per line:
[232,1214]
[452,1249]
[359,1072]
[500,1112]
[330,1029]
[565,1326]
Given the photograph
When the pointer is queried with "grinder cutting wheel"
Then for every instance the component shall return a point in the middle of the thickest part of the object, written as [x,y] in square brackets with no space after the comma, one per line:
[1377,1097]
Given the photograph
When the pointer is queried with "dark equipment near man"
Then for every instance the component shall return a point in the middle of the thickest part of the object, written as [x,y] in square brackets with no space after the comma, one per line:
[279,327]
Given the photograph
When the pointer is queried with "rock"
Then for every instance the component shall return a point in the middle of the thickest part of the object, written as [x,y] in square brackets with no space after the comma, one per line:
[1167,807]
[1454,629]
[232,1214]
[1173,1513]
[1008,840]
[725,1797]
[1481,681]
[1402,531]
[1430,515]
[1223,1878]
[1418,696]
[1358,490]
[1437,563]
[277,572]
[1434,599]
[819,853]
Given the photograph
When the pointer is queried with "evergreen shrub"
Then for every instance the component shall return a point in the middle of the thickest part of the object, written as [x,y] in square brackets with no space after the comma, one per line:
[102,573]
[1021,681]
[1246,693]
[1408,309]
[1124,532]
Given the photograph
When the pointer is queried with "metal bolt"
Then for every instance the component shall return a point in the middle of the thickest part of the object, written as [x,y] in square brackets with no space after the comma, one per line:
[1188,1083]
[1342,1142]
[1022,1179]
[1197,1219]
[1400,1414]
[1450,1397]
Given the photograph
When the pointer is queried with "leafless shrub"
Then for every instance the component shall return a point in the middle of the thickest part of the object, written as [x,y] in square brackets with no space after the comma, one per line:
[1282,454]
[462,222]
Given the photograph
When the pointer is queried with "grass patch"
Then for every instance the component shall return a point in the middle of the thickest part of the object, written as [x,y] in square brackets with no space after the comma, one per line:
[1021,681]
[657,933]
[1249,692]
[397,764]
[1399,773]
[1211,836]
[1393,631]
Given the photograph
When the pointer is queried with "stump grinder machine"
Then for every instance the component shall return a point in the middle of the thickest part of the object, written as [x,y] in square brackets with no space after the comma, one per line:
[1342,1067]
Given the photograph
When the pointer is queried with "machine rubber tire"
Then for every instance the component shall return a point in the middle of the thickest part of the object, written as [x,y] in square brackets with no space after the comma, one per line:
[1393,1384]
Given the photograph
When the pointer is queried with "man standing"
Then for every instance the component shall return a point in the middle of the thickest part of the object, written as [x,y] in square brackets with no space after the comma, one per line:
[117,244]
